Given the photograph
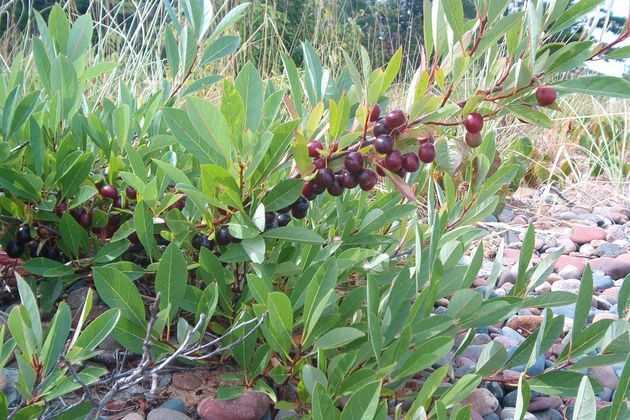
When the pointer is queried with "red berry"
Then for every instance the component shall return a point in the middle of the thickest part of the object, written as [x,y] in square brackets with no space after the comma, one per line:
[473,122]
[380,128]
[85,218]
[393,161]
[325,177]
[473,139]
[384,144]
[354,162]
[426,152]
[131,193]
[109,191]
[410,162]
[367,179]
[61,208]
[319,163]
[396,120]
[308,191]
[314,148]
[545,95]
[346,179]
[375,113]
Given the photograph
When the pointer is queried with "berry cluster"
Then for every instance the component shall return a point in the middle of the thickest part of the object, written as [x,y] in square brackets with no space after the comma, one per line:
[15,248]
[354,172]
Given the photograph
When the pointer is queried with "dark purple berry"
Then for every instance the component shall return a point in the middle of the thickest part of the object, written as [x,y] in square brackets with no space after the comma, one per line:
[314,147]
[375,113]
[426,152]
[271,220]
[131,193]
[346,179]
[300,208]
[308,191]
[14,249]
[223,236]
[23,234]
[473,122]
[319,163]
[197,240]
[410,162]
[61,208]
[473,139]
[325,177]
[108,191]
[283,219]
[367,179]
[384,144]
[335,189]
[354,162]
[393,161]
[380,129]
[396,120]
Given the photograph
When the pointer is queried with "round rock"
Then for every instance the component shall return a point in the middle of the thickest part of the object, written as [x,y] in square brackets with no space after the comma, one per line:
[482,401]
[249,406]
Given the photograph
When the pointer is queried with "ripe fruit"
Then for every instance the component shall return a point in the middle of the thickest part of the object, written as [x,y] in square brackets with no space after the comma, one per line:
[319,163]
[427,152]
[197,240]
[223,236]
[271,220]
[131,193]
[335,189]
[325,177]
[375,113]
[283,219]
[346,179]
[384,144]
[85,218]
[473,140]
[393,161]
[354,162]
[14,249]
[23,234]
[380,128]
[51,252]
[396,120]
[367,179]
[410,162]
[545,95]
[308,191]
[109,191]
[473,122]
[300,208]
[314,147]
[61,208]
[180,204]
[317,188]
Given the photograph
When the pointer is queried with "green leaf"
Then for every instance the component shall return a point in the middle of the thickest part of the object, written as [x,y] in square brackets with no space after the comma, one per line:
[561,383]
[492,358]
[80,37]
[171,278]
[363,403]
[285,193]
[585,404]
[461,389]
[143,221]
[210,129]
[98,330]
[614,87]
[530,115]
[249,85]
[29,301]
[524,259]
[323,406]
[312,377]
[619,53]
[454,12]
[30,412]
[522,398]
[220,48]
[230,18]
[338,337]
[583,304]
[111,251]
[572,14]
[623,387]
[21,331]
[255,249]
[294,234]
[431,351]
[73,237]
[4,407]
[375,332]
[117,291]
[56,338]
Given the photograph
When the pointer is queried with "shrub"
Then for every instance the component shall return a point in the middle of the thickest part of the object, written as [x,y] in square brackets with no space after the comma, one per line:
[268,217]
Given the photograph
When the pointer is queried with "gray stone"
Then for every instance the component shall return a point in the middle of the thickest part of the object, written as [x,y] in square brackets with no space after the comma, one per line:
[587,250]
[483,401]
[506,215]
[569,272]
[166,414]
[601,280]
[133,416]
[174,404]
[496,388]
[566,310]
[509,412]
[609,250]
[512,334]
[605,375]
[550,414]
[567,285]
[492,416]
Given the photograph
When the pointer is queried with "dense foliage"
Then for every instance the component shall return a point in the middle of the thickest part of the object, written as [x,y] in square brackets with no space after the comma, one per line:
[309,221]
